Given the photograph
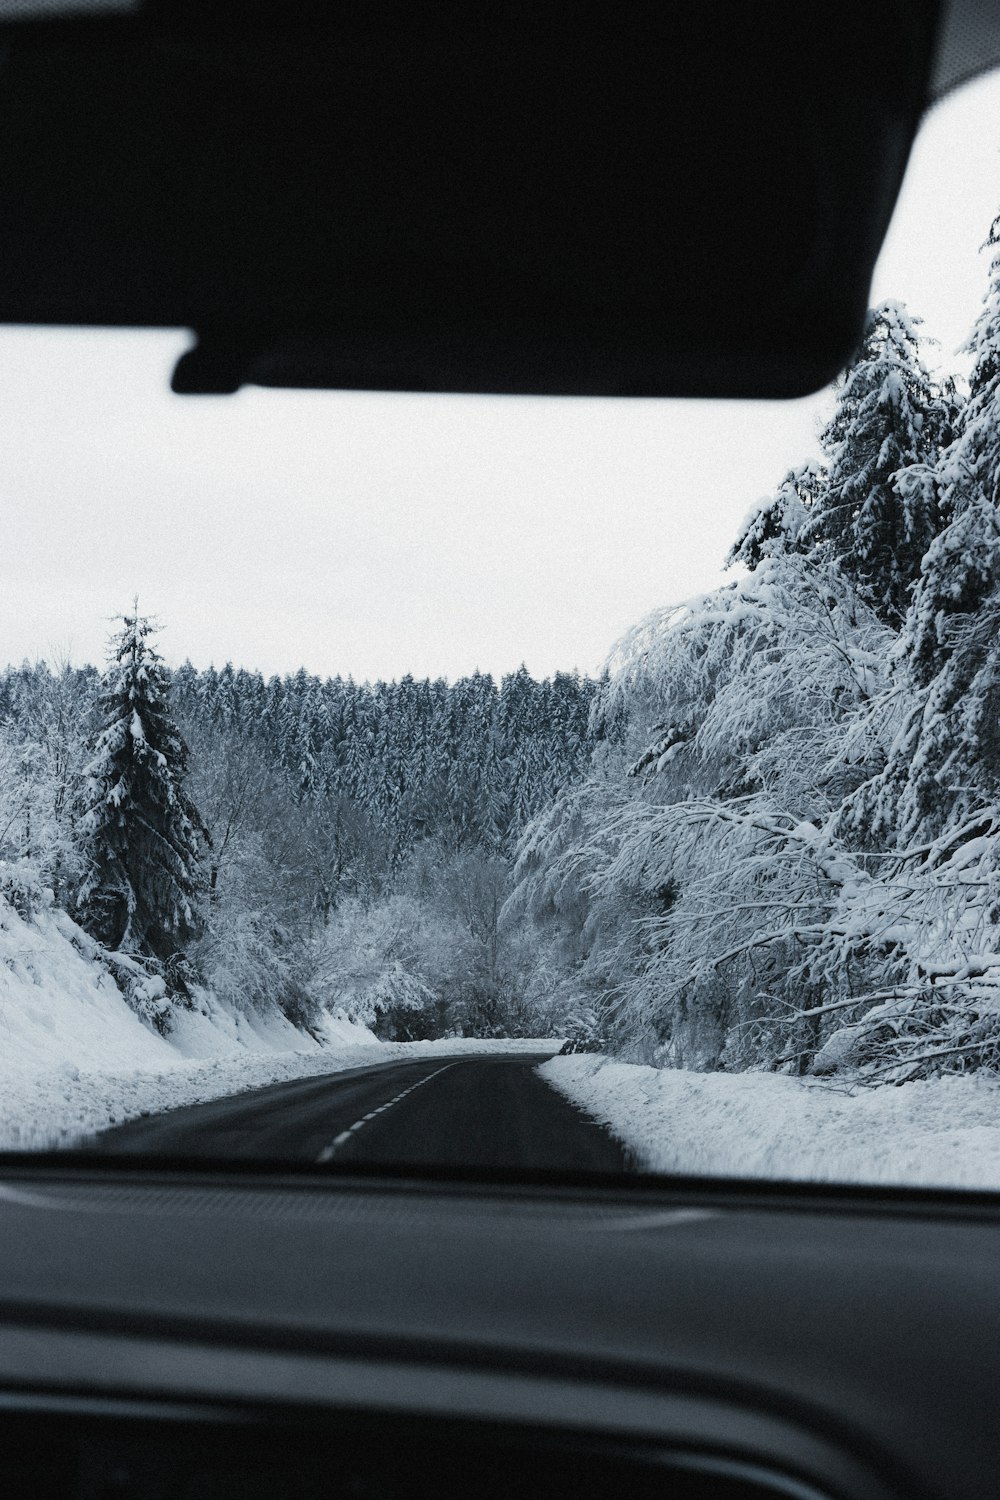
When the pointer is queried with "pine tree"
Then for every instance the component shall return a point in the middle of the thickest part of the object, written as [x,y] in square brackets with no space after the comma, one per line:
[781,526]
[144,837]
[869,509]
[945,762]
[890,417]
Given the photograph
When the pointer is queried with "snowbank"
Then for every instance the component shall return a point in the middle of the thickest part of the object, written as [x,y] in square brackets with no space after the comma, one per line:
[74,1058]
[945,1132]
[59,1008]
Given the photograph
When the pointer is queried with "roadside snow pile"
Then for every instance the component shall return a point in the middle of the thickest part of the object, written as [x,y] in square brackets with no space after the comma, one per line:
[59,1006]
[71,1049]
[940,1132]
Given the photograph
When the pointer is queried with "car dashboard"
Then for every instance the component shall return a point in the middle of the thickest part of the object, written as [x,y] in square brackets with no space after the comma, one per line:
[224,1334]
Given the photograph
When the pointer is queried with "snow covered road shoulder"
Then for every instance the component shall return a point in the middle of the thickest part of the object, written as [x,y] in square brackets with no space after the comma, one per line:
[944,1132]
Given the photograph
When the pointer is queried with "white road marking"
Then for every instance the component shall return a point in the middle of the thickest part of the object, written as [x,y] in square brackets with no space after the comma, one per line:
[345,1135]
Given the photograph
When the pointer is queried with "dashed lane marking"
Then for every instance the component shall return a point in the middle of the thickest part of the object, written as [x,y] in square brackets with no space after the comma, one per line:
[345,1135]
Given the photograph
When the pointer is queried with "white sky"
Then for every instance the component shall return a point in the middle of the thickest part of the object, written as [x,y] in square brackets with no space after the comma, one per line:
[376,535]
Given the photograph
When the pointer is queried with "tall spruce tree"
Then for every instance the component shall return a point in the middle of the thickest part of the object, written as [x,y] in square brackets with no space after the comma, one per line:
[948,759]
[890,417]
[942,771]
[871,508]
[144,837]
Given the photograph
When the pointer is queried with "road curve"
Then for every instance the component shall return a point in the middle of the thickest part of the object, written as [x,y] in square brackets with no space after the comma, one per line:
[482,1112]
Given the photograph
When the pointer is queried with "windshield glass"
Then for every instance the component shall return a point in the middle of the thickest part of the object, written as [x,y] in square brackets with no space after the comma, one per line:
[590,786]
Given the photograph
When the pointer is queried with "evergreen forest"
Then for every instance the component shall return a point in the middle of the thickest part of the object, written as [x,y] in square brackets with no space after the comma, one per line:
[301,843]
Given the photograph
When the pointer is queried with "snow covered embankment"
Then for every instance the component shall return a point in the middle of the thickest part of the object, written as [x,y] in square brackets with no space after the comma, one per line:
[74,1058]
[944,1132]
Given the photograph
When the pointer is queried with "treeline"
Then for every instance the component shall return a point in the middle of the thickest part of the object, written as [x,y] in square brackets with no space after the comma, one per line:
[787,851]
[466,763]
[311,844]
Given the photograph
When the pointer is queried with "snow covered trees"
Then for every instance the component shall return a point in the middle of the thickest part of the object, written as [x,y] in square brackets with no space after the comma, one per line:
[946,765]
[320,798]
[44,717]
[861,509]
[769,838]
[144,838]
[890,417]
[701,874]
[796,863]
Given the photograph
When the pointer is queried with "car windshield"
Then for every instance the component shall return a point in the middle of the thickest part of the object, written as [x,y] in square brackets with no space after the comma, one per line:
[574,785]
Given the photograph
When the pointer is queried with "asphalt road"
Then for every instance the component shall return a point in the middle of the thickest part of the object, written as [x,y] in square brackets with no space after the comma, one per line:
[491,1111]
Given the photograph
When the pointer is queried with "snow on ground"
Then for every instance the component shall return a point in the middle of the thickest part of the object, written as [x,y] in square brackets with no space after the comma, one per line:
[74,1058]
[945,1132]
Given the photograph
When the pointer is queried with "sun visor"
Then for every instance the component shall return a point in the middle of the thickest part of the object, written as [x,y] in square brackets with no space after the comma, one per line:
[640,200]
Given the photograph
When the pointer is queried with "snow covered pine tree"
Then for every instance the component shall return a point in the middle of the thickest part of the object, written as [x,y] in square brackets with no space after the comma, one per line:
[890,417]
[143,836]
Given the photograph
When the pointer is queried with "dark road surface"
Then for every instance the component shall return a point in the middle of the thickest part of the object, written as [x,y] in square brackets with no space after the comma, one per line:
[490,1111]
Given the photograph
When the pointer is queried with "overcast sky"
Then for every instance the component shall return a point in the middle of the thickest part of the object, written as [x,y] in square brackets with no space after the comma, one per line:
[377,535]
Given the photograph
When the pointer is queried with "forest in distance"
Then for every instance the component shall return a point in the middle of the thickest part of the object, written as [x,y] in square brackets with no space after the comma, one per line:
[767,838]
[292,843]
